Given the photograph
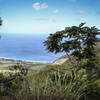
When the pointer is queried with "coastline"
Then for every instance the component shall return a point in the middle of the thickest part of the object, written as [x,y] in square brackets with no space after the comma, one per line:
[5,63]
[23,60]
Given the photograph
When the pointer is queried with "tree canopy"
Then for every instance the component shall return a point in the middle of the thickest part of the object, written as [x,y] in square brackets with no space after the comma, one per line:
[78,41]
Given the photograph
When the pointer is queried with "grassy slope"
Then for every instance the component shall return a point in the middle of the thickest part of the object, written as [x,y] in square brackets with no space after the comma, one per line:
[42,74]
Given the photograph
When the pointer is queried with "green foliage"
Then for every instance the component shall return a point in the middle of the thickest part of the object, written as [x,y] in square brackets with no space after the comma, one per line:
[78,41]
[11,87]
[12,83]
[64,87]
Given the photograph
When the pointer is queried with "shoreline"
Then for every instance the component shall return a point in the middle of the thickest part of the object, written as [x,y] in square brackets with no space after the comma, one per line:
[6,63]
[22,60]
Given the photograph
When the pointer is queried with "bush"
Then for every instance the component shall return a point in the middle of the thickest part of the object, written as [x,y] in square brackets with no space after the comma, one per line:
[12,83]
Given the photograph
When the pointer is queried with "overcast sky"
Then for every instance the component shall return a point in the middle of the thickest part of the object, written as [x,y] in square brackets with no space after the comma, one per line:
[47,16]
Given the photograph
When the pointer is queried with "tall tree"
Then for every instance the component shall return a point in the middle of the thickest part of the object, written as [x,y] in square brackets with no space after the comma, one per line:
[78,41]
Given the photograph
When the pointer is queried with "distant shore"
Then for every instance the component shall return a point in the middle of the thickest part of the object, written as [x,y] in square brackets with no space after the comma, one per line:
[14,59]
[5,63]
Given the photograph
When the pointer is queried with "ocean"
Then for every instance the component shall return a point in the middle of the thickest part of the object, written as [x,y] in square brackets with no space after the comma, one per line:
[25,47]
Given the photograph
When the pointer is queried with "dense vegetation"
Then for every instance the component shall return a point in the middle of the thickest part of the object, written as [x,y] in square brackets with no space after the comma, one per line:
[77,79]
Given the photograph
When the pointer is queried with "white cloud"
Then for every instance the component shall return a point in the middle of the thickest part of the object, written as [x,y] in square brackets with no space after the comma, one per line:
[56,11]
[37,6]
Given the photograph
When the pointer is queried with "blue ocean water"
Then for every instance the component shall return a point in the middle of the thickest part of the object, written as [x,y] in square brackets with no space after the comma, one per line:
[25,47]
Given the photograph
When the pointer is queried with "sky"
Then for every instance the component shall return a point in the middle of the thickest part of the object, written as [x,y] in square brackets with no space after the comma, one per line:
[47,16]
